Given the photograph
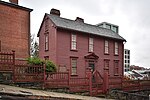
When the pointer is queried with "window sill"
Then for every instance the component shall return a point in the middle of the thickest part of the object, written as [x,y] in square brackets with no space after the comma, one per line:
[106,68]
[75,50]
[116,74]
[90,51]
[106,53]
[46,50]
[116,55]
[74,75]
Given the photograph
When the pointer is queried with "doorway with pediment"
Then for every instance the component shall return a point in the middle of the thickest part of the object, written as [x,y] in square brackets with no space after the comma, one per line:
[91,61]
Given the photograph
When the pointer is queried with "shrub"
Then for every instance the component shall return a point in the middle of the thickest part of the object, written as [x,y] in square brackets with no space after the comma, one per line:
[35,61]
[50,66]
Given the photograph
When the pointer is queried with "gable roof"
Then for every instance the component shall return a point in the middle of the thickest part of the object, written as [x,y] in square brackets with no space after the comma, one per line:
[82,27]
[15,6]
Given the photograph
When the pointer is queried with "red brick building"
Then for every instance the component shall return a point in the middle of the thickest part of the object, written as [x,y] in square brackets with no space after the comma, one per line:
[77,45]
[15,28]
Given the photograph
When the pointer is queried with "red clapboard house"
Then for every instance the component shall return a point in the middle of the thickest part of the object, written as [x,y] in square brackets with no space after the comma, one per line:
[76,46]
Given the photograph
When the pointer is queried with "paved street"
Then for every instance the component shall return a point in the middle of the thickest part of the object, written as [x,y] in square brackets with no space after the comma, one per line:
[23,91]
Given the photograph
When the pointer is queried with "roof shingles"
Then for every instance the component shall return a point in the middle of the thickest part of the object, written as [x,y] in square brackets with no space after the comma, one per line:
[83,27]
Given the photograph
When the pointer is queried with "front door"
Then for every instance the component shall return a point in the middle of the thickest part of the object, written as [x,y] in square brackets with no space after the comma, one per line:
[92,65]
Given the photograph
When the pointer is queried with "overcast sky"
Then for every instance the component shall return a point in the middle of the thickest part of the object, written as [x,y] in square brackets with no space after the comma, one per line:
[132,17]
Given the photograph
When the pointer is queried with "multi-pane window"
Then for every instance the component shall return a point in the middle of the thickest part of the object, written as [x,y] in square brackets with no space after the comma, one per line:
[73,66]
[46,42]
[91,45]
[108,26]
[106,64]
[106,47]
[115,29]
[73,42]
[116,48]
[116,67]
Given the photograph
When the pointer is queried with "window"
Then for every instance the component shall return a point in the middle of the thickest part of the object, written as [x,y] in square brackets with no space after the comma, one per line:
[46,42]
[128,57]
[108,26]
[73,66]
[73,42]
[125,56]
[128,52]
[128,61]
[125,61]
[115,29]
[106,47]
[91,45]
[116,48]
[125,52]
[116,67]
[106,64]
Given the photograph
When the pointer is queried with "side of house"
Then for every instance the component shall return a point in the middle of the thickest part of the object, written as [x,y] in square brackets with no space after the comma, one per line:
[15,28]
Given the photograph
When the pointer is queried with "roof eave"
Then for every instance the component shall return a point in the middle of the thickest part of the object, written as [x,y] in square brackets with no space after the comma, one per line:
[16,6]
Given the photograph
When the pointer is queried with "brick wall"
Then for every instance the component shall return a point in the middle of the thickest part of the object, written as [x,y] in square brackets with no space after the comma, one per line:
[14,30]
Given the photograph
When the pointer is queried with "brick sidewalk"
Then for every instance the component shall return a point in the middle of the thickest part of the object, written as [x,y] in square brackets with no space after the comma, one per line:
[30,92]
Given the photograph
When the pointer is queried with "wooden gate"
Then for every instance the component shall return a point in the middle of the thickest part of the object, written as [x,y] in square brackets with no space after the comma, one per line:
[97,83]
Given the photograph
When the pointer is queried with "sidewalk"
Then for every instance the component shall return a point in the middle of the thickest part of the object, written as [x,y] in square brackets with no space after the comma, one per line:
[22,91]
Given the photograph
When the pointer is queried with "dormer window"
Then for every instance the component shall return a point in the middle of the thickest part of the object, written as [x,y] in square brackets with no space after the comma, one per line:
[115,29]
[108,26]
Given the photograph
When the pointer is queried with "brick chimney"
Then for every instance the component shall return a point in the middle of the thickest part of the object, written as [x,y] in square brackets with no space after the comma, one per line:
[79,19]
[55,12]
[14,1]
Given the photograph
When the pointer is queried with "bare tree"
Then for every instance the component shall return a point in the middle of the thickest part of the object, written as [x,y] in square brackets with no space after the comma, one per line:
[34,47]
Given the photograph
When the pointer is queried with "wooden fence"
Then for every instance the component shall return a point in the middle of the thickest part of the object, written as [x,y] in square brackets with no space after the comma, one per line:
[63,80]
[135,85]
[115,82]
[52,79]
[94,83]
[28,73]
[7,61]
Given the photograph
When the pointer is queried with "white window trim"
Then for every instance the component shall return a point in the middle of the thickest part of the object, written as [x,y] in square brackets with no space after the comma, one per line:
[74,67]
[116,48]
[106,47]
[91,44]
[46,42]
[73,42]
